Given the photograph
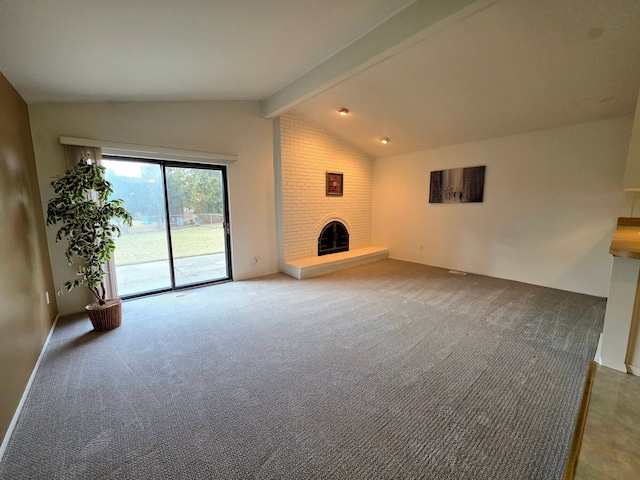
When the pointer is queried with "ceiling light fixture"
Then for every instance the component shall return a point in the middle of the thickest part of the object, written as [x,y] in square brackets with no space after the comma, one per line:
[343,111]
[385,140]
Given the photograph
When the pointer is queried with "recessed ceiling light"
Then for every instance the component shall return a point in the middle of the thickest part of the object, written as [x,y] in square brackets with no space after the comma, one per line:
[385,140]
[343,111]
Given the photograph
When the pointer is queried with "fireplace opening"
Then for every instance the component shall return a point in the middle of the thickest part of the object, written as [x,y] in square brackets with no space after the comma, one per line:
[334,238]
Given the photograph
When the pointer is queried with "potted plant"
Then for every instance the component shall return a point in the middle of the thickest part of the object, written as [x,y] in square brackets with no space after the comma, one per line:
[82,205]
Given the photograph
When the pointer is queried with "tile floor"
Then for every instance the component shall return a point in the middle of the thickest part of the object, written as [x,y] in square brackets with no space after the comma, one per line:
[611,441]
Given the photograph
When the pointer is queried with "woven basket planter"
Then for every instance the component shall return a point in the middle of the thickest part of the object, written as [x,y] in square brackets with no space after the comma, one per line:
[105,317]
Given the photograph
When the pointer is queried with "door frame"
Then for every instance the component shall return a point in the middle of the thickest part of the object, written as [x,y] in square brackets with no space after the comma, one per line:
[226,225]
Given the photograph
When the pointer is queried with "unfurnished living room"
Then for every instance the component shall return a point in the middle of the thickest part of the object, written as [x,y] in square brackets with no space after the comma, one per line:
[381,239]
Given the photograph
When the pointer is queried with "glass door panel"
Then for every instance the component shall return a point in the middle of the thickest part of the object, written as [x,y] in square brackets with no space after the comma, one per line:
[197,222]
[142,253]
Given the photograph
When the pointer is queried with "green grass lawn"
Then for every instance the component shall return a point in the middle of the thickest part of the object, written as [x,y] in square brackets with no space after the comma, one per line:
[150,246]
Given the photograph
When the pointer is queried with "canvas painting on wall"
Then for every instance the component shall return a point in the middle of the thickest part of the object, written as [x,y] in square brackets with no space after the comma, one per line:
[457,185]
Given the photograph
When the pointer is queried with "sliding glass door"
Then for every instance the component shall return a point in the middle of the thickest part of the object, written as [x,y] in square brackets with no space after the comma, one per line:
[197,224]
[180,235]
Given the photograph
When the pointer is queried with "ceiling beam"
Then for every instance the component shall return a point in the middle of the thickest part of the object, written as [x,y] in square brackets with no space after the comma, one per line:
[411,25]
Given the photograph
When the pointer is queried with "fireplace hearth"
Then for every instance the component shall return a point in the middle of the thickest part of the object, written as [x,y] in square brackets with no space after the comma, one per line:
[334,238]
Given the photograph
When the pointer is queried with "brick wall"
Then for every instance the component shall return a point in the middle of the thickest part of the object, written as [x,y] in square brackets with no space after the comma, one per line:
[307,153]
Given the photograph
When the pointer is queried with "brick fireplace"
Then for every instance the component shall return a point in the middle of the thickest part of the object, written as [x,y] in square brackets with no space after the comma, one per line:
[306,153]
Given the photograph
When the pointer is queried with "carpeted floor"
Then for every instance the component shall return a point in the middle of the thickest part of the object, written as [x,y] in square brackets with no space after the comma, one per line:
[390,370]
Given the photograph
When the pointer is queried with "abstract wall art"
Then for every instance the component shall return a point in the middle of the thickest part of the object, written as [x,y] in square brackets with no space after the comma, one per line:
[457,185]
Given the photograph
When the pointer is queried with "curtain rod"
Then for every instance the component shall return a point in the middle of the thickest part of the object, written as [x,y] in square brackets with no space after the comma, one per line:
[146,151]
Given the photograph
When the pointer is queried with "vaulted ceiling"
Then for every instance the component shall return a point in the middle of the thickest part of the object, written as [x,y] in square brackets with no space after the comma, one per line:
[425,73]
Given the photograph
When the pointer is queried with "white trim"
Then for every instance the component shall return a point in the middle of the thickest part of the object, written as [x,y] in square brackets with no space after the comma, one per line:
[14,420]
[154,152]
[598,357]
[621,367]
[633,370]
[277,170]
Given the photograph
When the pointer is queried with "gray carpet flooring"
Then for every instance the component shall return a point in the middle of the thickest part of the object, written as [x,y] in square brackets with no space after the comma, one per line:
[390,370]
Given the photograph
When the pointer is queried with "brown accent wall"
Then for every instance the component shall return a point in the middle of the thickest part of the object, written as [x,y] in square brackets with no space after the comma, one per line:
[25,271]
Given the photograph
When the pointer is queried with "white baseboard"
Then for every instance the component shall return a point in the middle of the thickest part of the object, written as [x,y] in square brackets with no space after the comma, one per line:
[14,420]
[633,370]
[621,367]
[598,357]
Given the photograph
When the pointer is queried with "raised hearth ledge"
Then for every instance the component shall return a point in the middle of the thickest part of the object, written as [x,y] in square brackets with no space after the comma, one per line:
[312,266]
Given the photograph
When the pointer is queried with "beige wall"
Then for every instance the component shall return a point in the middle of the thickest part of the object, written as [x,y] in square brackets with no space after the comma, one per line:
[307,153]
[551,202]
[25,275]
[222,127]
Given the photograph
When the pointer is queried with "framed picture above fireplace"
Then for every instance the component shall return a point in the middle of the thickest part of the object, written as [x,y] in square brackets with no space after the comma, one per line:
[334,184]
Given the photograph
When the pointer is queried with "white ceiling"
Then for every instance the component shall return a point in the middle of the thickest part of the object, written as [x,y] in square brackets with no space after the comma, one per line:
[436,72]
[514,67]
[145,50]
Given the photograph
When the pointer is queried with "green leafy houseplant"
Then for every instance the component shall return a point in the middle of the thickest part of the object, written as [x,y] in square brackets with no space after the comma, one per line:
[81,204]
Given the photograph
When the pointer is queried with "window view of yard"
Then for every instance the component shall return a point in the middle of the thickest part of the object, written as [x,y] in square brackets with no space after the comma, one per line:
[188,241]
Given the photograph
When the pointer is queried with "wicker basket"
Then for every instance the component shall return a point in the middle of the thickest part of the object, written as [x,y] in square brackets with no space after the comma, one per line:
[105,317]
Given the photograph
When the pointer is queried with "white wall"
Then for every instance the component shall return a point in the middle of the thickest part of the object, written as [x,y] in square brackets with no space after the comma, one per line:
[307,152]
[551,202]
[632,173]
[221,127]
